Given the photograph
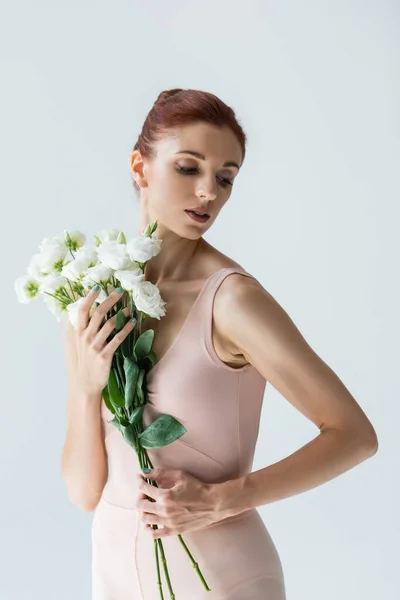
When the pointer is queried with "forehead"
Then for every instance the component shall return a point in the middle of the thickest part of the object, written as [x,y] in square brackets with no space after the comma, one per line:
[215,143]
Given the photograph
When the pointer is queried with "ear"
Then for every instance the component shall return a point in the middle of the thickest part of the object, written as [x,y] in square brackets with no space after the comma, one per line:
[138,168]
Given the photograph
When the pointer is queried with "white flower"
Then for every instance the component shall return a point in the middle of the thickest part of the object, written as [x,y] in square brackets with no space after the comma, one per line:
[110,235]
[35,267]
[102,295]
[129,278]
[53,284]
[73,239]
[56,307]
[51,258]
[77,268]
[100,273]
[27,288]
[148,300]
[50,242]
[114,255]
[141,249]
[73,309]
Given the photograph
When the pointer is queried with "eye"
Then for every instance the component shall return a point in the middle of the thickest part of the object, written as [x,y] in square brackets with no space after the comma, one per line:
[192,170]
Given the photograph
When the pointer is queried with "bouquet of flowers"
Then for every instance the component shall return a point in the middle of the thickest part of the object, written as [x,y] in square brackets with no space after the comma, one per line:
[63,272]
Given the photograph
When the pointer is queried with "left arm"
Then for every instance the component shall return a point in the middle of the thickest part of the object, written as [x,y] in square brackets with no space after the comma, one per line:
[254,323]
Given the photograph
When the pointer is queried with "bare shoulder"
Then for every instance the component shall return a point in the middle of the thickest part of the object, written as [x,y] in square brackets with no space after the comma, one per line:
[239,287]
[239,295]
[212,260]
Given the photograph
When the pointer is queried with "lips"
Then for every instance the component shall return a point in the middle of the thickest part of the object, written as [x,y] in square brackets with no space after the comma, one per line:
[198,210]
[196,217]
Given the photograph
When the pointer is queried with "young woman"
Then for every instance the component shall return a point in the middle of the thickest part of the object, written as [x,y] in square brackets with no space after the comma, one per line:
[223,337]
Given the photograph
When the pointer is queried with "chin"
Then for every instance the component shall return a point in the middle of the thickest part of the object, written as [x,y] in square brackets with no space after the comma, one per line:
[189,230]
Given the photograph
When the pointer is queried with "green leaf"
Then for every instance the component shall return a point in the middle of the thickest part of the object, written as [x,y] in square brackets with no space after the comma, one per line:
[163,431]
[116,371]
[116,396]
[139,387]
[152,357]
[136,415]
[126,345]
[131,370]
[116,423]
[142,373]
[140,396]
[107,402]
[143,344]
[120,321]
[130,436]
[118,364]
[124,421]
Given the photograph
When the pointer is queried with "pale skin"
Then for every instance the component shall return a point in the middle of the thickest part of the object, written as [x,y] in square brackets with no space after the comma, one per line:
[249,326]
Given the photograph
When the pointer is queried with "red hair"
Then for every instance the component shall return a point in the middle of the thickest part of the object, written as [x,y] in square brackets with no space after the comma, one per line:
[177,107]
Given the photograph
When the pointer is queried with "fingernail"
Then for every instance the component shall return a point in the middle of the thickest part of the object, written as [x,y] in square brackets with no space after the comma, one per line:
[96,288]
[119,290]
[133,320]
[146,470]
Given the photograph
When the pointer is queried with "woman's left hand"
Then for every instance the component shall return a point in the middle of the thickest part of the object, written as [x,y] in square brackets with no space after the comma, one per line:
[181,502]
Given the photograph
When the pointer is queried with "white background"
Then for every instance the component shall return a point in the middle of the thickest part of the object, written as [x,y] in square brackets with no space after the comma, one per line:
[314,216]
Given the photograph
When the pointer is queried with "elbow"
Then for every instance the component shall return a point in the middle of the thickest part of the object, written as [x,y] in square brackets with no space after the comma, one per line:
[82,496]
[88,507]
[371,443]
[84,503]
[367,441]
[362,441]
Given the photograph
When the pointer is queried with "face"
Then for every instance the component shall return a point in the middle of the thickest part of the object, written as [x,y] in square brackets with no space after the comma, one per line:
[174,180]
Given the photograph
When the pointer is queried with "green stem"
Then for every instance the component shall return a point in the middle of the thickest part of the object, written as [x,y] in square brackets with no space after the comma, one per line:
[159,582]
[166,573]
[195,565]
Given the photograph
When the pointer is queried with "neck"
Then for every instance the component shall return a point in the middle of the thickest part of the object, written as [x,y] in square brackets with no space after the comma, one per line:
[176,258]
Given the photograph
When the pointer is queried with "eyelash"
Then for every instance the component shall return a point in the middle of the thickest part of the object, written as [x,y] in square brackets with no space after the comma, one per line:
[191,170]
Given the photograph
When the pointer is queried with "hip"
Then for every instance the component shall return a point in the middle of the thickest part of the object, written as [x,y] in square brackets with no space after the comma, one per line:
[235,555]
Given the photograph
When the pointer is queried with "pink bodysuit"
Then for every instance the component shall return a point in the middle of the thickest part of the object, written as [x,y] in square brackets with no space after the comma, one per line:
[220,408]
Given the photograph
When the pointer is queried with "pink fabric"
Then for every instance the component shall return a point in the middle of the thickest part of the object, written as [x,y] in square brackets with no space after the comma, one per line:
[220,407]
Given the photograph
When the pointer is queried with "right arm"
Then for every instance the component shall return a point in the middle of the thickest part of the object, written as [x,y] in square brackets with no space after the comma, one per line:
[84,458]
[88,356]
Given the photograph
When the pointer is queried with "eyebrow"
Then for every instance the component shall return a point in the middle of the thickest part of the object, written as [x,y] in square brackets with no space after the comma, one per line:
[230,163]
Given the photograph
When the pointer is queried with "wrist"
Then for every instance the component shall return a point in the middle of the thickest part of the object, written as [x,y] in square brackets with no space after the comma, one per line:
[229,498]
[89,398]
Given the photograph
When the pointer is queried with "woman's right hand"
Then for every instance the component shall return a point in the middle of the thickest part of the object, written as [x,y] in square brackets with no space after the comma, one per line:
[94,353]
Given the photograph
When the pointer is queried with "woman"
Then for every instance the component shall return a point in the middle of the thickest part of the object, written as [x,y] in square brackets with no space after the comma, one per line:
[224,336]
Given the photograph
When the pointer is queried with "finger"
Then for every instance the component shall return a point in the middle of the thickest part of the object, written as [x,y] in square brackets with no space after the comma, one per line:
[151,519]
[84,309]
[160,532]
[107,329]
[146,505]
[101,311]
[150,490]
[119,337]
[165,477]
[150,526]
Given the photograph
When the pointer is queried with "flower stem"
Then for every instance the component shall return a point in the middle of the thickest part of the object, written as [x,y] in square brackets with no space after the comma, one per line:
[159,582]
[164,562]
[195,565]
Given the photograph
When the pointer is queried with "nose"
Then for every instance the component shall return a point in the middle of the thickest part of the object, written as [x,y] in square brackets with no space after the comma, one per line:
[206,190]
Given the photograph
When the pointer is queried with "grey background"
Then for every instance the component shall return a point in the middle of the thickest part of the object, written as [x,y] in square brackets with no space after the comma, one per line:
[314,216]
